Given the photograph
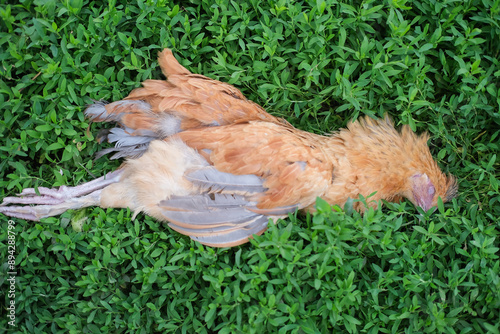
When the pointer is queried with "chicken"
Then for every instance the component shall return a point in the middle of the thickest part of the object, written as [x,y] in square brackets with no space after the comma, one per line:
[217,167]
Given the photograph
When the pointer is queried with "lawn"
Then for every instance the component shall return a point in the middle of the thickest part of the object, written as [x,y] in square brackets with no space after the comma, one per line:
[434,65]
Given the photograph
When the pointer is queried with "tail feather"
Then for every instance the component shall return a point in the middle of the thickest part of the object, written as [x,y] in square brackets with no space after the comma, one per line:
[128,113]
[137,126]
[161,108]
[169,65]
[131,144]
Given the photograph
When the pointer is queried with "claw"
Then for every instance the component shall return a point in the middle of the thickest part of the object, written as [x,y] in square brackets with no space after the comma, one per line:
[37,212]
[34,213]
[53,202]
[39,200]
[42,191]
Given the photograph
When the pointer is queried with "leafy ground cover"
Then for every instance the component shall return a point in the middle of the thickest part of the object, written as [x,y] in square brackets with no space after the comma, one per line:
[431,64]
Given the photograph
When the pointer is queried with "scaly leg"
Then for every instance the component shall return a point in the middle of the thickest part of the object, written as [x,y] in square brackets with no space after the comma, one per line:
[52,202]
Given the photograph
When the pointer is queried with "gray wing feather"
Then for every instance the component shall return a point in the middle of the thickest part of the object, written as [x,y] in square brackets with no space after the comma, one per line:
[281,210]
[235,237]
[234,216]
[219,220]
[204,202]
[214,180]
[219,230]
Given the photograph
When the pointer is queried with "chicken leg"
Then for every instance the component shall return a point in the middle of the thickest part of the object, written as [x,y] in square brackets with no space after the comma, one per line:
[52,202]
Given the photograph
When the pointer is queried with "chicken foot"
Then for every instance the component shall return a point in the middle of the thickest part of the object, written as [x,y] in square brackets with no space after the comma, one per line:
[52,202]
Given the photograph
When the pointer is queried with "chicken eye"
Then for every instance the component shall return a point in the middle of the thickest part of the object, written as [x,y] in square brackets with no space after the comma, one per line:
[431,190]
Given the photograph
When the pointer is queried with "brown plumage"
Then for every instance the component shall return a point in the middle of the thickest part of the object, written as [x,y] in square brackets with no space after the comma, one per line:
[194,99]
[217,166]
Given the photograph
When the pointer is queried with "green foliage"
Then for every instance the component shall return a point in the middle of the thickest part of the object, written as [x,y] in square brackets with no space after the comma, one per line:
[431,64]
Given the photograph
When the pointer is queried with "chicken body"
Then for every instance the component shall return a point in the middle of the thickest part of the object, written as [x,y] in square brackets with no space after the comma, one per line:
[217,166]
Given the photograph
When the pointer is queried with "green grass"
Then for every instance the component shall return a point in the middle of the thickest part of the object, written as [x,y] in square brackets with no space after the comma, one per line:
[431,64]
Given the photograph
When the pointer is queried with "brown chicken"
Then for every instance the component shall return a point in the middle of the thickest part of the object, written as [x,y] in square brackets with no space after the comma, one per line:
[217,166]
